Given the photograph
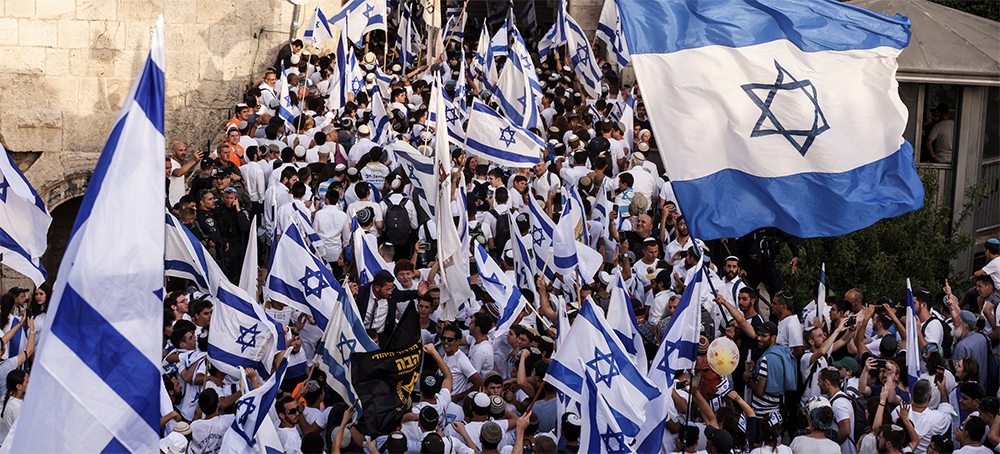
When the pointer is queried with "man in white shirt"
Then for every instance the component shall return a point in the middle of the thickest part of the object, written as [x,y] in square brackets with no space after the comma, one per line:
[843,409]
[789,327]
[362,146]
[333,227]
[481,353]
[927,421]
[178,171]
[465,377]
[206,433]
[275,197]
[288,417]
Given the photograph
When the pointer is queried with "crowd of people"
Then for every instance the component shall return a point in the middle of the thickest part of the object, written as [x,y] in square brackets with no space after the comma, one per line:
[807,381]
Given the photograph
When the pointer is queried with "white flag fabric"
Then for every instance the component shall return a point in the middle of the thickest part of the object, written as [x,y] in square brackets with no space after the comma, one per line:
[24,222]
[185,257]
[524,267]
[420,170]
[484,62]
[455,290]
[460,87]
[912,346]
[508,298]
[678,351]
[299,279]
[514,92]
[455,31]
[380,121]
[407,38]
[542,230]
[494,137]
[609,30]
[245,434]
[453,118]
[248,277]
[621,318]
[498,43]
[349,77]
[567,31]
[343,336]
[616,376]
[96,376]
[358,17]
[285,100]
[600,432]
[366,256]
[318,29]
[241,334]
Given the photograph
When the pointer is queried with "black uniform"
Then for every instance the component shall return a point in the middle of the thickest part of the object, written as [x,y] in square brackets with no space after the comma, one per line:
[234,226]
[210,227]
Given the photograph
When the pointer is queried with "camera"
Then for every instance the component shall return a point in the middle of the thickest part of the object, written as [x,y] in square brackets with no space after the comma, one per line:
[850,322]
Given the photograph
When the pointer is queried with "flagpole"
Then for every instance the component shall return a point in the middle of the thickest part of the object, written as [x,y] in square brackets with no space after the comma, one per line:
[459,17]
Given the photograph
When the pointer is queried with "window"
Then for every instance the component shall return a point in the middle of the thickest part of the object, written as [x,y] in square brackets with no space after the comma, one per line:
[939,129]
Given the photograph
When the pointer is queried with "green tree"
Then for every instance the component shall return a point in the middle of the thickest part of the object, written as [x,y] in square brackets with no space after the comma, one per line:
[989,9]
[919,245]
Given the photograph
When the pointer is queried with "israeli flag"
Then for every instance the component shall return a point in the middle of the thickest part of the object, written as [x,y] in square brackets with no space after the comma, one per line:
[913,347]
[524,268]
[616,376]
[285,101]
[407,40]
[380,121]
[570,252]
[601,213]
[299,279]
[600,432]
[366,256]
[350,78]
[241,333]
[514,92]
[343,336]
[678,351]
[530,20]
[542,231]
[484,62]
[564,257]
[24,222]
[420,170]
[358,17]
[505,293]
[498,44]
[186,258]
[318,29]
[101,355]
[492,136]
[455,30]
[252,424]
[775,111]
[820,308]
[248,275]
[453,119]
[621,318]
[384,82]
[460,86]
[567,31]
[609,30]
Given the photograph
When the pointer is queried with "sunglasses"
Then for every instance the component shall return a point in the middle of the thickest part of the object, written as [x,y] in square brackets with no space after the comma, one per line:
[449,339]
[232,190]
[293,411]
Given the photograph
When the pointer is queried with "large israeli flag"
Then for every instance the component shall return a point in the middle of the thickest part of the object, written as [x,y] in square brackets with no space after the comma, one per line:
[299,279]
[455,28]
[494,137]
[524,267]
[618,379]
[318,29]
[484,62]
[509,300]
[609,30]
[358,17]
[514,91]
[380,121]
[566,31]
[366,256]
[24,222]
[343,336]
[252,429]
[621,319]
[678,351]
[775,117]
[542,230]
[570,253]
[453,119]
[95,385]
[350,78]
[420,170]
[241,333]
[600,432]
[285,100]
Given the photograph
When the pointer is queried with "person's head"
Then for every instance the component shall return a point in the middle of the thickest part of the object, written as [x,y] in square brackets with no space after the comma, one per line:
[404,272]
[481,324]
[985,285]
[202,312]
[428,418]
[922,302]
[747,300]
[382,284]
[767,335]
[650,249]
[967,369]
[941,444]
[890,438]
[970,393]
[672,304]
[992,248]
[821,419]
[718,441]
[182,336]
[643,225]
[288,411]
[451,335]
[571,424]
[206,200]
[856,298]
[493,384]
[781,304]
[829,381]
[177,301]
[490,435]
[424,308]
[688,436]
[208,402]
[971,431]
[179,151]
[732,267]
[17,382]
[814,337]
[921,392]
[297,46]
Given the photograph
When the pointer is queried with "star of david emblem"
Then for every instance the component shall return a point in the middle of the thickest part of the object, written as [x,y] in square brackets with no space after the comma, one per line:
[368,11]
[582,56]
[803,90]
[526,61]
[245,343]
[523,100]
[412,173]
[321,283]
[451,114]
[345,354]
[3,190]
[614,442]
[537,236]
[507,136]
[357,84]
[595,364]
[248,407]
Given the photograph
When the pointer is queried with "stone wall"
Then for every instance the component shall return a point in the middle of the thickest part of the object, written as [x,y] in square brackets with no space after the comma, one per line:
[66,65]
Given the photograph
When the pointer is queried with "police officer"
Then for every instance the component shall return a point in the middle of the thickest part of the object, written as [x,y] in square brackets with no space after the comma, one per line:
[210,227]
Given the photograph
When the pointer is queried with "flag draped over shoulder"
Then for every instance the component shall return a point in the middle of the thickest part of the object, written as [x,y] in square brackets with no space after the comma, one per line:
[97,373]
[776,118]
[24,222]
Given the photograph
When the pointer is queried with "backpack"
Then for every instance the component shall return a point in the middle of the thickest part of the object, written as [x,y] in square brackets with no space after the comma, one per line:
[502,234]
[946,340]
[397,222]
[859,405]
[992,371]
[476,233]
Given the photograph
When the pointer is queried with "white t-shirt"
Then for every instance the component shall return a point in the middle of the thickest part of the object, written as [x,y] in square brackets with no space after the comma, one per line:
[475,427]
[807,445]
[461,370]
[481,356]
[790,332]
[191,391]
[317,416]
[842,409]
[781,449]
[290,440]
[812,388]
[928,423]
[206,434]
[177,188]
[10,414]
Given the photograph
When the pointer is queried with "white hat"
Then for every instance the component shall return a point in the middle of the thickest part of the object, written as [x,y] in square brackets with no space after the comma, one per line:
[364,130]
[643,147]
[173,443]
[369,58]
[638,157]
[300,151]
[295,59]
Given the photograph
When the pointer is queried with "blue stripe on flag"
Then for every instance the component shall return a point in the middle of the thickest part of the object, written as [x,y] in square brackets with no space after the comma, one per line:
[813,26]
[115,446]
[149,92]
[500,154]
[7,242]
[291,291]
[223,356]
[100,171]
[17,172]
[881,189]
[185,267]
[109,354]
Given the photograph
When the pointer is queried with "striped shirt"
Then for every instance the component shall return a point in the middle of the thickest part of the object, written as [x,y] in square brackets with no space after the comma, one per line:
[767,403]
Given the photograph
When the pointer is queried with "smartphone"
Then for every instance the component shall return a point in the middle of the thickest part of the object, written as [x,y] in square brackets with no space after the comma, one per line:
[939,375]
[880,364]
[850,322]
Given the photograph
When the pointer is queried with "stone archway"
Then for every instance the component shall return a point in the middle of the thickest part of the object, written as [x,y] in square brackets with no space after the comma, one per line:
[63,217]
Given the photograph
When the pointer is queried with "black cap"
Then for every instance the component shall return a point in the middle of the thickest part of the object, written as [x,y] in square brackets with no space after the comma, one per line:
[17,290]
[721,439]
[432,444]
[428,416]
[769,327]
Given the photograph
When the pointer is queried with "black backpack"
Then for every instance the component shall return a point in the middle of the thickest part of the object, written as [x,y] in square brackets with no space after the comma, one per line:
[859,405]
[946,341]
[397,222]
[502,235]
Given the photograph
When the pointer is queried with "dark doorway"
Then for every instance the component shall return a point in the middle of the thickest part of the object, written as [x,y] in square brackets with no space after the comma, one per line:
[63,217]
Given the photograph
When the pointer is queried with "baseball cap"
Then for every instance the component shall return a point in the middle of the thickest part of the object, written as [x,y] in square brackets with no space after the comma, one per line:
[17,290]
[769,327]
[847,362]
[721,439]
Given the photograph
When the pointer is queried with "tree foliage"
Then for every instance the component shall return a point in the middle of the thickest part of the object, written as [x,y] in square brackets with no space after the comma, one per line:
[919,245]
[989,9]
